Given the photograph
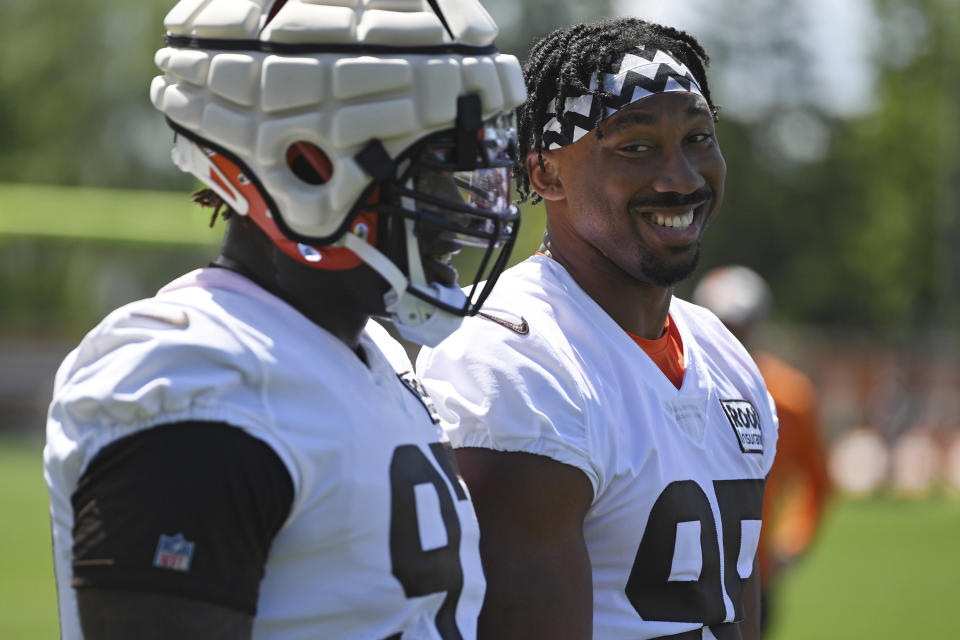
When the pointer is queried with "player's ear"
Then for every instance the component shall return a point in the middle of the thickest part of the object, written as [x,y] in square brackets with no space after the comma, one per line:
[544,171]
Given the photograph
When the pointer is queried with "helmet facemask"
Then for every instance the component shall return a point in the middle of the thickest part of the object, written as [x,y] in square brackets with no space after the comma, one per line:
[445,208]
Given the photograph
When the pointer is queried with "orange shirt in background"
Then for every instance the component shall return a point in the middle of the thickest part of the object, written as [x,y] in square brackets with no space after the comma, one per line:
[798,485]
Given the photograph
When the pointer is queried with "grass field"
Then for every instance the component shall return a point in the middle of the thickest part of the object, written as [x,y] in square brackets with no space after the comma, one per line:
[883,569]
[28,602]
[154,217]
[138,216]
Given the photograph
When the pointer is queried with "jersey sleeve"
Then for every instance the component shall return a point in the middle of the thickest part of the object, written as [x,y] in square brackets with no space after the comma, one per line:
[140,368]
[499,390]
[188,509]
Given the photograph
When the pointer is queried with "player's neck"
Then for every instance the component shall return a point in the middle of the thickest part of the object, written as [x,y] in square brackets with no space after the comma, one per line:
[638,307]
[329,300]
[337,318]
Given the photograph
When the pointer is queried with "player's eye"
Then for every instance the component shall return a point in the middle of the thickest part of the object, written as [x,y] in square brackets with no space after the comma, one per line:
[636,147]
[700,138]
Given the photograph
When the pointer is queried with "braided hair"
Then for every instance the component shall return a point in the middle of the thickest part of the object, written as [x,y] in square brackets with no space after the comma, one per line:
[560,66]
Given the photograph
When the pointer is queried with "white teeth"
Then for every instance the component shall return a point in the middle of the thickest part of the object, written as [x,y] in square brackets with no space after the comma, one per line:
[679,223]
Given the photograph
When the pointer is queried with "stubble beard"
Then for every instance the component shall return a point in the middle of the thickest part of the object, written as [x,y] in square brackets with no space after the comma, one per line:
[666,274]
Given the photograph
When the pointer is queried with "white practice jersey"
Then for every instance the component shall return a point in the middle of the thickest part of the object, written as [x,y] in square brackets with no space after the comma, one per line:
[677,475]
[381,540]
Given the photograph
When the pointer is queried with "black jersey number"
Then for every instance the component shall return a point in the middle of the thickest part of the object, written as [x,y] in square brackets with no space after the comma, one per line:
[435,570]
[649,589]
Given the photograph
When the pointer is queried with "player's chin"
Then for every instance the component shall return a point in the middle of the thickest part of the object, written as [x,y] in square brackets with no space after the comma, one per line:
[668,270]
[440,270]
[436,256]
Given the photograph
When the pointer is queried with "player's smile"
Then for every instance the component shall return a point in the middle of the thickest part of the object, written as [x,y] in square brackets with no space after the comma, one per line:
[673,226]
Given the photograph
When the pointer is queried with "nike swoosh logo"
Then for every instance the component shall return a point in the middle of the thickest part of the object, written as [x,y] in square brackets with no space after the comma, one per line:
[523,328]
[180,321]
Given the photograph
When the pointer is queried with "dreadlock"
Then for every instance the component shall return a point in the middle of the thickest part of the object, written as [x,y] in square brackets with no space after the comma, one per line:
[208,199]
[560,66]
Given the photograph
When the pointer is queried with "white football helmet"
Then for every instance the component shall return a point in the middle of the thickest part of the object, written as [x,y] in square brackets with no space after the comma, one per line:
[738,295]
[378,131]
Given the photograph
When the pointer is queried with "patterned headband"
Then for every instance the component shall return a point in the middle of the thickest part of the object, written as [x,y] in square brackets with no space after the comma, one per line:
[637,73]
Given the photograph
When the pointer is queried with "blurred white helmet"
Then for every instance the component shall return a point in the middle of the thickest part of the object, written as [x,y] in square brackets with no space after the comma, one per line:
[354,130]
[736,294]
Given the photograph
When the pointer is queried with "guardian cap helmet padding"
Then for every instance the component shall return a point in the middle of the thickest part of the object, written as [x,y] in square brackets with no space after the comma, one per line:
[736,294]
[353,130]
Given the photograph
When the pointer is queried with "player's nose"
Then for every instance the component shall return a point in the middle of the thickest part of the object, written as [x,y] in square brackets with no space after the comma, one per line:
[677,173]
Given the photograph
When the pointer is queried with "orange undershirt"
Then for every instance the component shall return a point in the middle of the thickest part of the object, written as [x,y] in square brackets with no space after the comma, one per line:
[666,351]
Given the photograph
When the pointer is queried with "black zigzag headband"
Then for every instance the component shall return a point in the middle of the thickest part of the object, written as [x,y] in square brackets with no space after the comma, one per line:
[640,72]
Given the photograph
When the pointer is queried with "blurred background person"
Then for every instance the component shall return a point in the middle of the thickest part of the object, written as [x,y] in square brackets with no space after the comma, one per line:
[798,487]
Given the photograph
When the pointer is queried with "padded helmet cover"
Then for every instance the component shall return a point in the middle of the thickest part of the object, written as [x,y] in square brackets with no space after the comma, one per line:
[254,80]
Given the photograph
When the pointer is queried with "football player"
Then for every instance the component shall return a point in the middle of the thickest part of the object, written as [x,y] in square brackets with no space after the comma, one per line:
[615,439]
[798,486]
[246,454]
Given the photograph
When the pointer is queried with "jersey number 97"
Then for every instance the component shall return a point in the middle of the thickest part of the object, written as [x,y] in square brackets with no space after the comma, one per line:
[435,570]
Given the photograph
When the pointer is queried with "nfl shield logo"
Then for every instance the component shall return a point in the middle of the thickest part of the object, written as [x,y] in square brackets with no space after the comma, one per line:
[173,552]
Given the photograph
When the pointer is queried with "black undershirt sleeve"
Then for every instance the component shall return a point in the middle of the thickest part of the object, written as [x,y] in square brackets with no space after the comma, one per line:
[189,508]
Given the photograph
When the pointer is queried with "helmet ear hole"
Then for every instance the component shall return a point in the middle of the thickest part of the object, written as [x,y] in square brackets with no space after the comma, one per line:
[309,163]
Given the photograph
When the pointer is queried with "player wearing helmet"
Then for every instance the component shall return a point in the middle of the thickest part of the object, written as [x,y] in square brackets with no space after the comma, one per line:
[246,454]
[615,439]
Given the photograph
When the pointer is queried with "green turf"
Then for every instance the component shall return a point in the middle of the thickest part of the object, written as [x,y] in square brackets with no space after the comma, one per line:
[153,217]
[28,601]
[83,213]
[881,570]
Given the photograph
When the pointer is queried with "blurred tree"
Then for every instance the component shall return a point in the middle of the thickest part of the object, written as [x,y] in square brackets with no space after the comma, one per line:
[853,218]
[851,212]
[74,105]
[524,22]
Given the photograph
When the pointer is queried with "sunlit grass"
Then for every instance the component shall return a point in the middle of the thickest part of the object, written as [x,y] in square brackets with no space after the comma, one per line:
[83,213]
[28,601]
[153,217]
[882,569]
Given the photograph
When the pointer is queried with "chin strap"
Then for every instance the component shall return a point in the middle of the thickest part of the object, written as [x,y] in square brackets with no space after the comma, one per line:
[415,319]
